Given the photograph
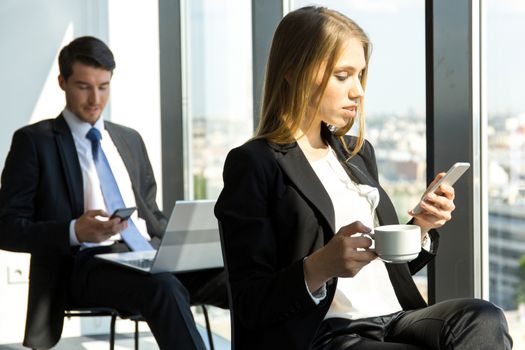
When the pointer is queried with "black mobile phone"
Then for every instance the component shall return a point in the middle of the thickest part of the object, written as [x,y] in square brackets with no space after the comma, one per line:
[123,213]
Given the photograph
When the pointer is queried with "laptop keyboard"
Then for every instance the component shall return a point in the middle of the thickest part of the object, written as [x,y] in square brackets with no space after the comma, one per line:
[142,263]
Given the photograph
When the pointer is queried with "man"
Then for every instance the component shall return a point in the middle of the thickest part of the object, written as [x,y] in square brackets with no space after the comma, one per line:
[62,179]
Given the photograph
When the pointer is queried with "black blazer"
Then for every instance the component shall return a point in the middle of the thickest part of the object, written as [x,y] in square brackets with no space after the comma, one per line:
[41,192]
[274,212]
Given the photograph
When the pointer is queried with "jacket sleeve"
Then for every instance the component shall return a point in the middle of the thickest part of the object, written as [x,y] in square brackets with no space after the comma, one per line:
[155,221]
[19,230]
[263,293]
[425,257]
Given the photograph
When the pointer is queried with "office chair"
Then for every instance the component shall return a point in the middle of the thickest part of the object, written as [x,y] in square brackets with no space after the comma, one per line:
[138,318]
[101,311]
[228,288]
[113,313]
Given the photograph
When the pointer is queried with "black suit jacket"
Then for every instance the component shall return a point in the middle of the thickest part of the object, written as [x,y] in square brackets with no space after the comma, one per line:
[41,192]
[274,211]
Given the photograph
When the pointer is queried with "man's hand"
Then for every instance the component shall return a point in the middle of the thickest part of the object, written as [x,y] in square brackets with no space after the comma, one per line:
[90,229]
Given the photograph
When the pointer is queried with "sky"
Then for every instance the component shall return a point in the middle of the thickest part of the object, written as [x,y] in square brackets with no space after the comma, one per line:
[397,69]
[396,77]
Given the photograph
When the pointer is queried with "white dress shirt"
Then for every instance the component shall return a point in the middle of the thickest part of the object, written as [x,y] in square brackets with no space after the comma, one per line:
[93,198]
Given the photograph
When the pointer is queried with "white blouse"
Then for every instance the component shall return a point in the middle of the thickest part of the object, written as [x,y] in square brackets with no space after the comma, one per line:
[370,292]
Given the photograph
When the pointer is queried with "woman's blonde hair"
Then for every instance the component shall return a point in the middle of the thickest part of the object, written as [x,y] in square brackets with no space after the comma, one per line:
[304,41]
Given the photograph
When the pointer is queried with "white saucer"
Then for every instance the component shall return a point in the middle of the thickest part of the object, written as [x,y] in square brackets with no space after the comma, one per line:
[398,259]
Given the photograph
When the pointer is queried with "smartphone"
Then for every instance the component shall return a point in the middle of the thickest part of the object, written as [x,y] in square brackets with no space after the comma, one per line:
[123,213]
[452,175]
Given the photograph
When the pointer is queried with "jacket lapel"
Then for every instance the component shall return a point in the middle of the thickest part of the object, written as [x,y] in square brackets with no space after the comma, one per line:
[125,152]
[386,212]
[356,168]
[70,164]
[295,165]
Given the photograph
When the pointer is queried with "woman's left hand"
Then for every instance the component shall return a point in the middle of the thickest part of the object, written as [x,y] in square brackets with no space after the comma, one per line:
[436,207]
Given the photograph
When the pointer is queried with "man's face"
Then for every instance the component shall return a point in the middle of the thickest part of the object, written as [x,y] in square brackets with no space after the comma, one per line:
[87,91]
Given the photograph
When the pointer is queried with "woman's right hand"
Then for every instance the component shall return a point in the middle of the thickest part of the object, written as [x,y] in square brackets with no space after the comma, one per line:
[340,257]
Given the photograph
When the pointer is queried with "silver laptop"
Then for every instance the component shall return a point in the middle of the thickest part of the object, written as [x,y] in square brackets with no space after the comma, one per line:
[191,242]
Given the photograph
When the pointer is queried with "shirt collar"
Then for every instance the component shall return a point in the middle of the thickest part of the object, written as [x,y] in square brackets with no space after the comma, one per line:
[80,128]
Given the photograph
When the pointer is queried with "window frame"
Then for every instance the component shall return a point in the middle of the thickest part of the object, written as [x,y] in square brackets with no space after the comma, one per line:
[455,98]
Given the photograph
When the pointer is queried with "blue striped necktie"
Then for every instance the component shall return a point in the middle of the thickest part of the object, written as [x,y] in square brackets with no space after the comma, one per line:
[111,193]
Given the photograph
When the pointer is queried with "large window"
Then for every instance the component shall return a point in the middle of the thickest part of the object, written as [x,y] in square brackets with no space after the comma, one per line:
[506,160]
[217,98]
[217,88]
[395,95]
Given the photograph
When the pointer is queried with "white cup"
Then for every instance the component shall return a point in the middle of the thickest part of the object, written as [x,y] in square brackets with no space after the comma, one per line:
[397,243]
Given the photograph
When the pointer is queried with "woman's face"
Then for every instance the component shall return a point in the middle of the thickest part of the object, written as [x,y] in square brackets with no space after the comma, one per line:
[341,97]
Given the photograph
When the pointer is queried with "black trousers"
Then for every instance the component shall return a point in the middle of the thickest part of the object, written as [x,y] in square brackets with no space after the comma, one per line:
[162,299]
[455,324]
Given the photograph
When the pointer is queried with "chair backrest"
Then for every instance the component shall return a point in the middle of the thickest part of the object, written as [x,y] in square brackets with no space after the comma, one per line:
[228,287]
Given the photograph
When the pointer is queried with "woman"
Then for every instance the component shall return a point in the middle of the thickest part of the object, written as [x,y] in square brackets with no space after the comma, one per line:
[297,199]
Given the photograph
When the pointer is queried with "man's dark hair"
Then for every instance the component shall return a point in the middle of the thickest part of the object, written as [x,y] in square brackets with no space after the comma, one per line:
[87,50]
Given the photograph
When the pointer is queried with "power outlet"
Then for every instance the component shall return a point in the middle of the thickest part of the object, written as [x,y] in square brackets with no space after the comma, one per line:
[17,273]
